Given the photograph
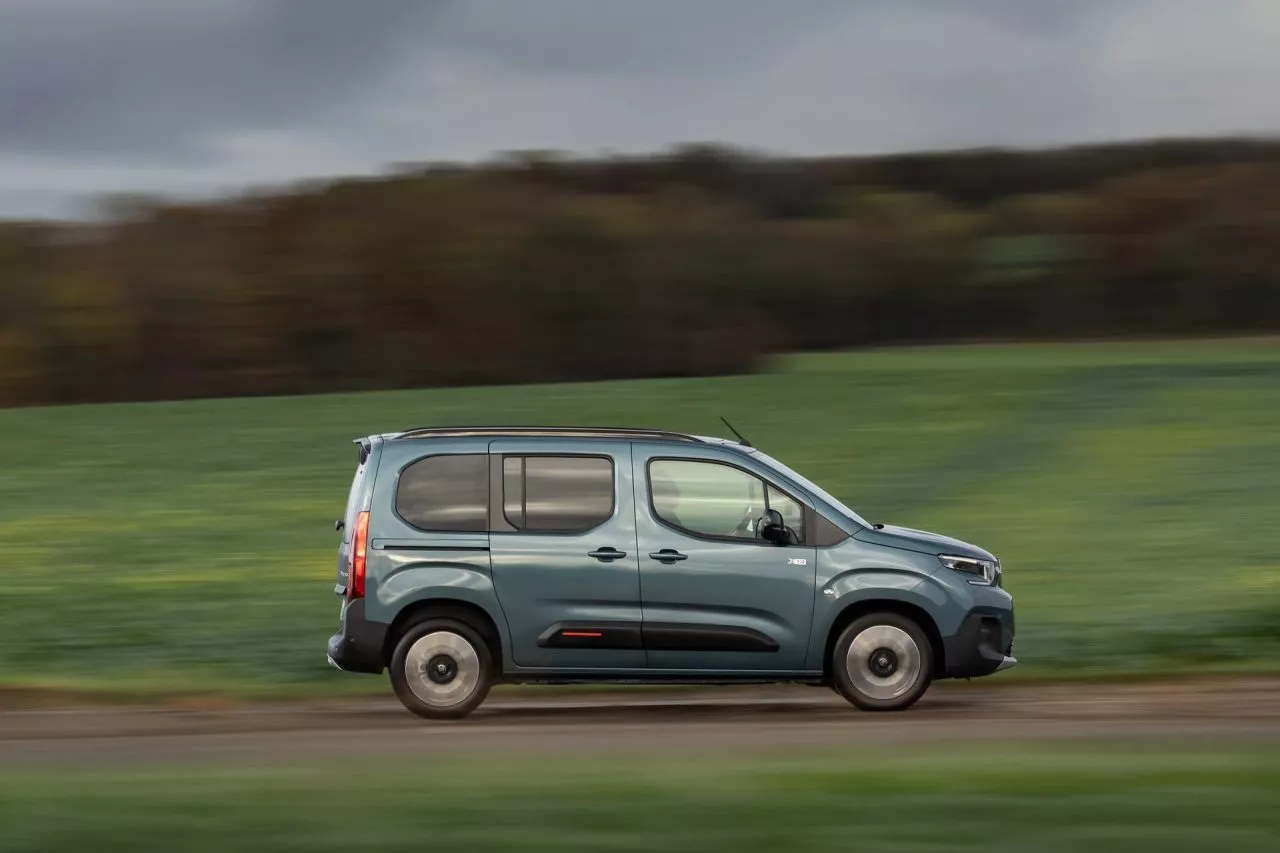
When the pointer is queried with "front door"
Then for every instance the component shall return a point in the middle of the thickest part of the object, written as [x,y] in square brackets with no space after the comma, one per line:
[716,596]
[563,550]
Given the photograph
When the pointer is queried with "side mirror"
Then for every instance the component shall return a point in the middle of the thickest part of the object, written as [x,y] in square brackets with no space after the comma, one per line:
[772,528]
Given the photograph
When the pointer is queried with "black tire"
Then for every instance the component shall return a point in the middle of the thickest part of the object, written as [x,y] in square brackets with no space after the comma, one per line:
[891,668]
[434,654]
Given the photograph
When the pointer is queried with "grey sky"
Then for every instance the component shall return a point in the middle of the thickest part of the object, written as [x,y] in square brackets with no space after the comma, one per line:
[199,96]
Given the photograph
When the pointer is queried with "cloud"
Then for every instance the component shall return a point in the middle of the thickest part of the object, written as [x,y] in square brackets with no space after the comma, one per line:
[157,79]
[198,96]
[623,36]
[859,77]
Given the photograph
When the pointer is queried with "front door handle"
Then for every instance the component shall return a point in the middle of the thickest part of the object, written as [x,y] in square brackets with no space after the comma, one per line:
[607,554]
[668,556]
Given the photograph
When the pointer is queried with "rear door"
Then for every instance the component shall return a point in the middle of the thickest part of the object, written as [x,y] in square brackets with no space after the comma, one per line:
[717,597]
[357,500]
[563,550]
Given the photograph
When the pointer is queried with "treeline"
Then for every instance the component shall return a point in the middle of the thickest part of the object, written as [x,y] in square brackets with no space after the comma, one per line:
[698,261]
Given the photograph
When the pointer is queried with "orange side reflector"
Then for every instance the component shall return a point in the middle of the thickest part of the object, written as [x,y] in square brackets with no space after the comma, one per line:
[580,633]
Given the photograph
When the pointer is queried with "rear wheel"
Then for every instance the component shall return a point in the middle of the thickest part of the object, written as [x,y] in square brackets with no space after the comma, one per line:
[441,669]
[882,662]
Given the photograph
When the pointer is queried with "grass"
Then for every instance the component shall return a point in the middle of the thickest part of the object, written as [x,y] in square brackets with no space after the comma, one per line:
[1130,489]
[1097,797]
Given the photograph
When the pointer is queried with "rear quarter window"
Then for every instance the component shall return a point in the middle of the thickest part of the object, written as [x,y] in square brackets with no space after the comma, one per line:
[445,493]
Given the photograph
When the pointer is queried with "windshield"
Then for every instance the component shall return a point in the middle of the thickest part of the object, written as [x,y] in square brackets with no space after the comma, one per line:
[812,487]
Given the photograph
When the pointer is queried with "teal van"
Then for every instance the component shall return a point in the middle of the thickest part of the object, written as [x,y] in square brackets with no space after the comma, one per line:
[477,555]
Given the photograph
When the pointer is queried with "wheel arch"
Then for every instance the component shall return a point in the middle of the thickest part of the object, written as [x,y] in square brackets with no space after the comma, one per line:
[857,609]
[467,612]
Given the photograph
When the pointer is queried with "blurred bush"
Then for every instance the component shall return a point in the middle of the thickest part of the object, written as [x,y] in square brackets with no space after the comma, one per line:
[699,261]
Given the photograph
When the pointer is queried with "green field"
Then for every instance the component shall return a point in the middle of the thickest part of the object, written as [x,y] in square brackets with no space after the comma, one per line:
[1130,489]
[1097,797]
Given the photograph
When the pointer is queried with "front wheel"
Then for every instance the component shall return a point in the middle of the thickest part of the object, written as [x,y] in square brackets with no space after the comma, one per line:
[441,669]
[882,662]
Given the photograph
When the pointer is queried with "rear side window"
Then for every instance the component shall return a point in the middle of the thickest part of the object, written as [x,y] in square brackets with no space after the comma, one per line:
[447,493]
[557,494]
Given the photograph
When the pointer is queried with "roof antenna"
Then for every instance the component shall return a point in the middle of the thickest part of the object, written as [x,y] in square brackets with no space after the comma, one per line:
[741,440]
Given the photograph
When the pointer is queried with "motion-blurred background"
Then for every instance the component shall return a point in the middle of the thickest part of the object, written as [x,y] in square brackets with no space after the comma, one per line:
[1000,268]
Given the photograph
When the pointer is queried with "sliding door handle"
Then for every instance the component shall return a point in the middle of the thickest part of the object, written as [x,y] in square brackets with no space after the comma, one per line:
[668,556]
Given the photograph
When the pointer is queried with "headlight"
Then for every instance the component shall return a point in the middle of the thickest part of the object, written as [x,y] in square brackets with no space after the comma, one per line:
[983,572]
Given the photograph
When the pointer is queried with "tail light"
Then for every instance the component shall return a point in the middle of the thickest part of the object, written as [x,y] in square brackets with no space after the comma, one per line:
[359,545]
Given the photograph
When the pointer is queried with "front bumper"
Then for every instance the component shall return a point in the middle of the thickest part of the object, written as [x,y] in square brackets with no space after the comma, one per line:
[358,646]
[983,645]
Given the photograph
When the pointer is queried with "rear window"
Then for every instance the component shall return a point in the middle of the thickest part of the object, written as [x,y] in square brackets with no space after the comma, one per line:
[353,501]
[446,493]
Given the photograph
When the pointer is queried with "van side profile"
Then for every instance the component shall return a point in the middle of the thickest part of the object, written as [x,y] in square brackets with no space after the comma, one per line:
[477,555]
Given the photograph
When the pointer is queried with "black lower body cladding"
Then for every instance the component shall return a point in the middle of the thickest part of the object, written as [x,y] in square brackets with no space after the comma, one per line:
[358,646]
[656,637]
[983,644]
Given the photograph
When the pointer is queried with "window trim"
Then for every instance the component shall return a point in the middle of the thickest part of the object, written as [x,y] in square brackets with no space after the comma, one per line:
[395,496]
[498,521]
[808,511]
[502,491]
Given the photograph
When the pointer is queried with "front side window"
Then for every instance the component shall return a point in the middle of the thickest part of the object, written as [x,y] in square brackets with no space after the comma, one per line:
[716,500]
[557,494]
[447,493]
[790,508]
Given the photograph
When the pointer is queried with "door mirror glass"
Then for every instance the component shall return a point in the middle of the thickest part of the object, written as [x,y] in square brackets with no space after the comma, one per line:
[772,528]
[791,510]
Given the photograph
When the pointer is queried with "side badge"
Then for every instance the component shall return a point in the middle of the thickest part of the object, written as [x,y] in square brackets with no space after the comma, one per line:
[797,561]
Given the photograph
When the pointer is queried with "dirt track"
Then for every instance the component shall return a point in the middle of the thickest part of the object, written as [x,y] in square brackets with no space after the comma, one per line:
[725,719]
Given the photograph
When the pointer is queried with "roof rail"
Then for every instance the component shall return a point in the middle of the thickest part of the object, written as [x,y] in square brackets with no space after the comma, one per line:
[545,431]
